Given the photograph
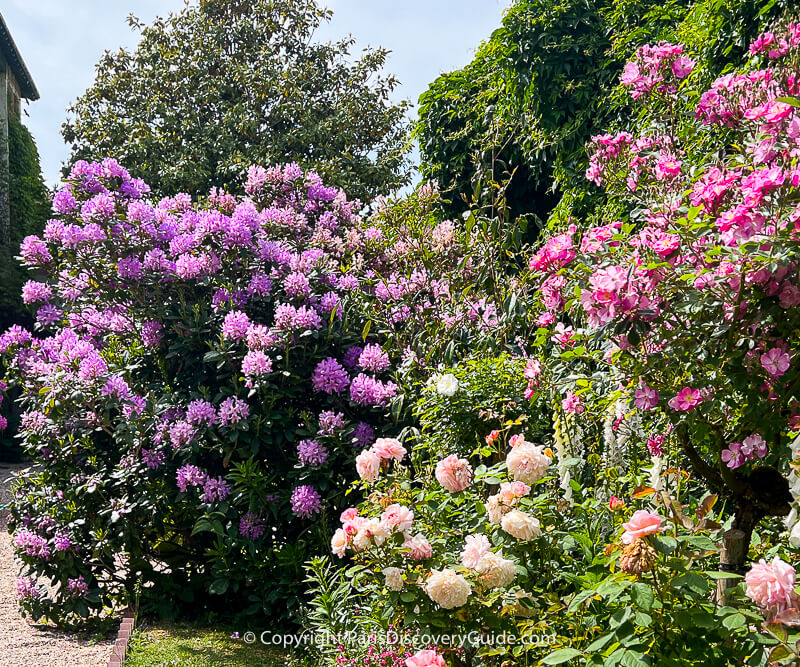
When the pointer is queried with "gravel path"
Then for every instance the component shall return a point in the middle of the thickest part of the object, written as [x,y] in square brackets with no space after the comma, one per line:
[26,645]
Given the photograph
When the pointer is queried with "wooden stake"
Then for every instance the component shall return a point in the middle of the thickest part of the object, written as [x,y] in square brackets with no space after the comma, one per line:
[731,559]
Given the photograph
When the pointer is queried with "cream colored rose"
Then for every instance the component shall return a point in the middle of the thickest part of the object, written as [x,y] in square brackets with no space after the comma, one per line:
[493,509]
[394,578]
[447,589]
[496,571]
[370,532]
[528,463]
[521,525]
[339,542]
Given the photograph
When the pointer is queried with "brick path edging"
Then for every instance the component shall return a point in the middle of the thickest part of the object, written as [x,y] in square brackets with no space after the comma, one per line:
[117,658]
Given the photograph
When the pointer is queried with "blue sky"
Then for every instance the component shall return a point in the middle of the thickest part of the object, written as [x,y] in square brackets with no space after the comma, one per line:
[61,42]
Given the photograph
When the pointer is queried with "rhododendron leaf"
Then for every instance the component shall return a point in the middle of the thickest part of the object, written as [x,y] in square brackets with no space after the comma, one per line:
[218,586]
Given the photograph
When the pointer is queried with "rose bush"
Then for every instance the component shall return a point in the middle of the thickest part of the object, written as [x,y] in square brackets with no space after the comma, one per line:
[676,326]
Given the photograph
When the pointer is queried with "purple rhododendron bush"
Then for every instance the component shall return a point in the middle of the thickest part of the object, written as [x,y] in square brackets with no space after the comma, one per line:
[656,522]
[194,392]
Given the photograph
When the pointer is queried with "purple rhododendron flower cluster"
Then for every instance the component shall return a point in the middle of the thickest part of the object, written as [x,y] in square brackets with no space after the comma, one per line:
[306,501]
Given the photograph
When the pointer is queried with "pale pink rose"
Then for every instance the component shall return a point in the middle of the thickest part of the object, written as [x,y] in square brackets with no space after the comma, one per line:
[475,548]
[771,585]
[516,440]
[521,525]
[370,532]
[419,548]
[447,589]
[339,542]
[348,515]
[368,465]
[453,473]
[528,463]
[495,509]
[642,523]
[389,448]
[426,658]
[398,517]
[510,491]
[496,571]
[352,526]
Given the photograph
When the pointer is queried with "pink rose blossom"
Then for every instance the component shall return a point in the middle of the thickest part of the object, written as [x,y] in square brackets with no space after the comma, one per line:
[389,448]
[419,548]
[732,455]
[426,658]
[368,465]
[642,523]
[510,491]
[754,445]
[339,542]
[398,517]
[454,474]
[687,399]
[475,548]
[771,585]
[645,398]
[573,404]
[775,362]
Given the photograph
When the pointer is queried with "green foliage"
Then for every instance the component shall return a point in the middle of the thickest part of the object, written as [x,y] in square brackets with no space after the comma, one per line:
[529,96]
[215,88]
[489,397]
[546,81]
[29,207]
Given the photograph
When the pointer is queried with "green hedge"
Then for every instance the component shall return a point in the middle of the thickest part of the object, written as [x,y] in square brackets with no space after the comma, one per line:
[30,208]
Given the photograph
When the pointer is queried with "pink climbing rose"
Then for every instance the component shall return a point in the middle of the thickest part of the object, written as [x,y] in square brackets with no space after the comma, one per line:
[775,362]
[687,399]
[645,398]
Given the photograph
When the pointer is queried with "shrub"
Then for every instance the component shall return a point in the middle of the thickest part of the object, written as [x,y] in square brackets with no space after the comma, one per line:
[194,392]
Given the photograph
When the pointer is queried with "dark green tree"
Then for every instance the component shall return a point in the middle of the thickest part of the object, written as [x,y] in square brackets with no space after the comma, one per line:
[225,84]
